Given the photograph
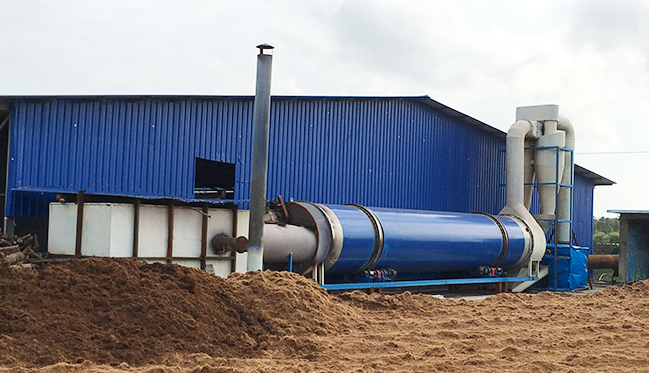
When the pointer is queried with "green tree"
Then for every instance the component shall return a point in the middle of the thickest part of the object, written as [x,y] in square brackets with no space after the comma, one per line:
[606,231]
[600,238]
[606,225]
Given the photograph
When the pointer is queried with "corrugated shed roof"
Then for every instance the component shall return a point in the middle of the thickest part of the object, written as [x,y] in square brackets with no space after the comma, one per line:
[631,212]
[597,179]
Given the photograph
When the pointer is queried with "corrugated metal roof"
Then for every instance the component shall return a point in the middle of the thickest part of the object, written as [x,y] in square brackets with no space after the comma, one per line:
[597,179]
[639,212]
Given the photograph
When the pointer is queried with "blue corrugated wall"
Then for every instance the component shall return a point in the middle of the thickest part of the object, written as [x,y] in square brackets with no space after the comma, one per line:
[388,153]
[583,211]
[385,152]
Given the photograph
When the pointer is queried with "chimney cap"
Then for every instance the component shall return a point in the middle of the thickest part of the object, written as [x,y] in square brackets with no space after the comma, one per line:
[264,46]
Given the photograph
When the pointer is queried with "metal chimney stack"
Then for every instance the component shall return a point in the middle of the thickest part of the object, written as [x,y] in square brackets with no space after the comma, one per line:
[261,118]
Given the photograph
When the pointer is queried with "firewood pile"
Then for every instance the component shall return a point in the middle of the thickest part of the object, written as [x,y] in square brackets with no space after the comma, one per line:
[21,252]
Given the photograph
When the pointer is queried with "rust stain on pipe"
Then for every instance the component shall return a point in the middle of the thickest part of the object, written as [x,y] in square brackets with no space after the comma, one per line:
[603,261]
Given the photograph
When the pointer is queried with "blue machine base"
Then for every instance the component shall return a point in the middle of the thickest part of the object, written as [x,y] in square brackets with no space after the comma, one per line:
[401,284]
[571,269]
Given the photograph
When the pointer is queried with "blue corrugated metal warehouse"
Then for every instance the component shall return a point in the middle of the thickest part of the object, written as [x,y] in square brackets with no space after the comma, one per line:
[405,152]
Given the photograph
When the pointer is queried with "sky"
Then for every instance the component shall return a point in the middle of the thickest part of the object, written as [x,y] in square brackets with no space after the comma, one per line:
[483,58]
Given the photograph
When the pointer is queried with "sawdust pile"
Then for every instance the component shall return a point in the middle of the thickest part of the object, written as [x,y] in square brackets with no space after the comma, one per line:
[112,315]
[119,310]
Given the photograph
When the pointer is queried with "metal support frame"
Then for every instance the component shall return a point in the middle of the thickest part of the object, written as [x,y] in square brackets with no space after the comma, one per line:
[83,198]
[317,272]
[8,226]
[204,237]
[555,240]
[151,258]
[290,262]
[136,227]
[403,284]
[235,218]
[79,234]
[170,233]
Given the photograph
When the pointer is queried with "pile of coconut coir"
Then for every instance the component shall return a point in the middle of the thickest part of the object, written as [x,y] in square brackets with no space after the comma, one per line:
[119,310]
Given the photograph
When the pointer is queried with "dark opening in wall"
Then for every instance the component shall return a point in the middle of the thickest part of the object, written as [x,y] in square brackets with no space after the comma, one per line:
[214,180]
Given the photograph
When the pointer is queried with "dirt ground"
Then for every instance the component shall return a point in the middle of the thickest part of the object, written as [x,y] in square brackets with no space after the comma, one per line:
[119,315]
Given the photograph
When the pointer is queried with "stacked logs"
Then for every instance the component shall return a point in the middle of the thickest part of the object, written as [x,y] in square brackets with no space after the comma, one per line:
[21,252]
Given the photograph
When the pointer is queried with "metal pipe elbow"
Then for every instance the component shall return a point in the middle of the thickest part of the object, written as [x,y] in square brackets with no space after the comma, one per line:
[520,129]
[564,124]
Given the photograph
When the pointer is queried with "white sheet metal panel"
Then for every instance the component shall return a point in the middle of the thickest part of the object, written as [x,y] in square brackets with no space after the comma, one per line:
[120,230]
[108,232]
[188,223]
[153,231]
[188,262]
[222,268]
[62,228]
[242,230]
[220,221]
[107,229]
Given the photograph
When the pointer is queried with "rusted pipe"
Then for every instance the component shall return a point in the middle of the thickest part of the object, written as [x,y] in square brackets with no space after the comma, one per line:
[223,243]
[603,261]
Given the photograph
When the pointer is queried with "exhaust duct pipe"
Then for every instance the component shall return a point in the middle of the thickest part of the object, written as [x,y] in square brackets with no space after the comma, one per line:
[564,210]
[515,195]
